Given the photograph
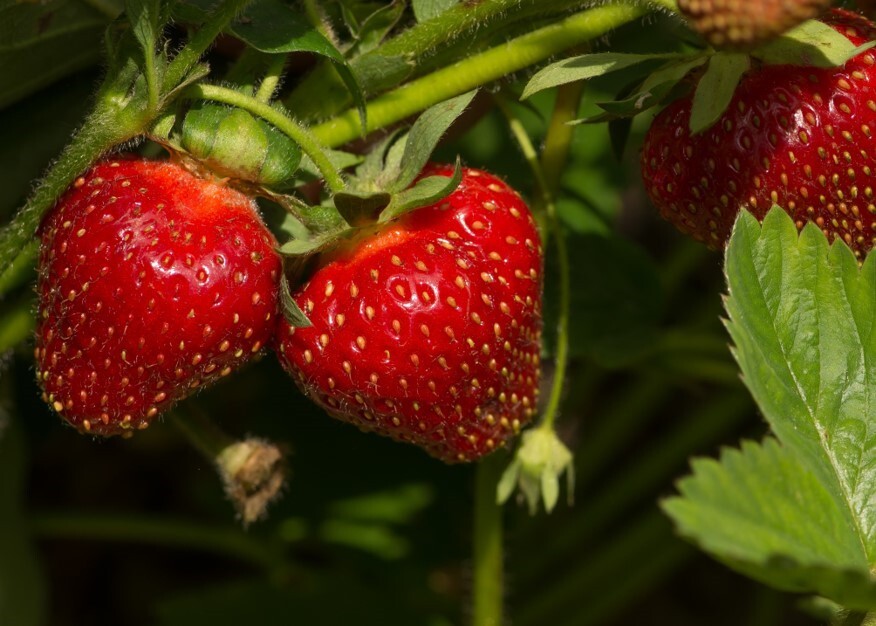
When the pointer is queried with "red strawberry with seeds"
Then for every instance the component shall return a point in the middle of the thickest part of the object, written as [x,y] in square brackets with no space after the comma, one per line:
[428,330]
[799,137]
[153,283]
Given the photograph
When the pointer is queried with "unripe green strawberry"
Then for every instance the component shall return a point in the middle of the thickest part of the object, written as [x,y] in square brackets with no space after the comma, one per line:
[428,330]
[745,24]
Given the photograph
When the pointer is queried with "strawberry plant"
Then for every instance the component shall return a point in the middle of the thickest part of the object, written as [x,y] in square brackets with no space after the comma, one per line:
[228,228]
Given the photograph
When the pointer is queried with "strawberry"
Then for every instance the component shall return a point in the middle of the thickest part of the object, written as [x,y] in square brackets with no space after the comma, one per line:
[153,283]
[427,329]
[799,137]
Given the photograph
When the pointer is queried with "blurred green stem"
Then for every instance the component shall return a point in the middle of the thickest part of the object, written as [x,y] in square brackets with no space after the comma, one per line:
[477,70]
[271,80]
[488,585]
[229,542]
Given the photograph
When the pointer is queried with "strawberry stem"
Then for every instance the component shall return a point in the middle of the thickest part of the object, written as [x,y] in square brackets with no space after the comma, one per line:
[271,79]
[284,123]
[855,618]
[488,562]
[553,161]
[477,70]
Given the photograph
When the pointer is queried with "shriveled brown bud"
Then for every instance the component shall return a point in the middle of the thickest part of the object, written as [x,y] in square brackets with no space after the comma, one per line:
[746,24]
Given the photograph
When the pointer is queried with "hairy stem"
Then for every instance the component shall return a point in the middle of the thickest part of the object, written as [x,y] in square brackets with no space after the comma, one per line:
[488,562]
[309,144]
[271,79]
[477,70]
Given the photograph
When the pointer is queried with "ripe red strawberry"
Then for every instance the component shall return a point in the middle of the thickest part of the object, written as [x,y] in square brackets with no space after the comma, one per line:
[799,137]
[152,284]
[429,329]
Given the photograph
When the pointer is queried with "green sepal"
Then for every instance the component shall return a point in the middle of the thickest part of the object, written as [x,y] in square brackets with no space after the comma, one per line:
[716,88]
[234,143]
[292,313]
[428,190]
[654,90]
[422,140]
[813,43]
[305,247]
[588,66]
[359,208]
[308,172]
[370,31]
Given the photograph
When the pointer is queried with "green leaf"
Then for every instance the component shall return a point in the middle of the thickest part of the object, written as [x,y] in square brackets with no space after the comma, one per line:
[22,589]
[375,27]
[42,42]
[277,28]
[291,311]
[586,66]
[798,514]
[144,16]
[425,10]
[716,88]
[764,513]
[803,320]
[424,136]
[427,191]
[812,43]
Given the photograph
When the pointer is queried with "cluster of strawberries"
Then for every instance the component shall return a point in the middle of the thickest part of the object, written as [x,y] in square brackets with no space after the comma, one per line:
[155,282]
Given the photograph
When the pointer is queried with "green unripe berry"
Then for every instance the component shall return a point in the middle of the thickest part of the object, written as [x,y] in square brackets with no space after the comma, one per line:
[233,143]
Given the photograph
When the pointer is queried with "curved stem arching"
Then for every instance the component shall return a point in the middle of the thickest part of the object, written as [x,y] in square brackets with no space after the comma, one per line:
[309,144]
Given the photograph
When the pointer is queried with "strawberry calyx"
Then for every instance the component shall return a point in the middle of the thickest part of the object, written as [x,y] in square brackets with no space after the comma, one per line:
[660,78]
[386,184]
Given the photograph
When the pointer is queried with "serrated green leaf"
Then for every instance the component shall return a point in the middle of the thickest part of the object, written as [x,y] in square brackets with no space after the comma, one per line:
[812,43]
[763,512]
[425,10]
[427,191]
[802,316]
[803,322]
[277,28]
[292,313]
[716,88]
[424,136]
[586,66]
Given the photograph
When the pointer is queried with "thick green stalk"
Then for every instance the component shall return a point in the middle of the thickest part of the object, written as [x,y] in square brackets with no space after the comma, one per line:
[411,52]
[477,70]
[285,124]
[488,585]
